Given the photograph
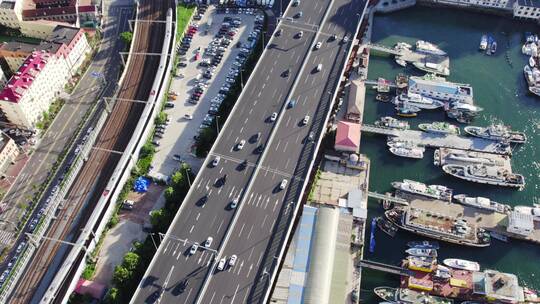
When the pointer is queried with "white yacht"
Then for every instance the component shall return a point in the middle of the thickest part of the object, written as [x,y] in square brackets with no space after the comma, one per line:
[430,48]
[482,203]
[497,132]
[486,175]
[433,191]
[417,100]
[409,152]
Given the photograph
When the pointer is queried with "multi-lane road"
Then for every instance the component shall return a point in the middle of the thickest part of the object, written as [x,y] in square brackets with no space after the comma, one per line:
[254,231]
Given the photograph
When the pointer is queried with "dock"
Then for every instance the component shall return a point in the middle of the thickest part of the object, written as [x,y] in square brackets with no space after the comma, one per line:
[488,220]
[389,198]
[385,268]
[435,140]
[439,64]
[448,156]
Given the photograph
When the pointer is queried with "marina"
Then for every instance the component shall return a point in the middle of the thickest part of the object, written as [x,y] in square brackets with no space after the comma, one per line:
[437,140]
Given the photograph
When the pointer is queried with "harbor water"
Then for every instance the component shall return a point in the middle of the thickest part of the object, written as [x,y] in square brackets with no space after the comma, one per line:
[499,87]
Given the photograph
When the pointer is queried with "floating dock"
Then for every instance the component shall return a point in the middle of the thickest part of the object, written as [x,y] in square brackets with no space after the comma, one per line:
[489,220]
[436,140]
[448,156]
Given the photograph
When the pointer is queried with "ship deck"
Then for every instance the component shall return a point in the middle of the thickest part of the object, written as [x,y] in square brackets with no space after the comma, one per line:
[496,160]
[489,220]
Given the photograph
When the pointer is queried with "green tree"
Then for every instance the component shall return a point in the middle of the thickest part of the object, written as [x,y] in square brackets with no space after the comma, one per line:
[112,296]
[131,261]
[121,276]
[206,139]
[126,37]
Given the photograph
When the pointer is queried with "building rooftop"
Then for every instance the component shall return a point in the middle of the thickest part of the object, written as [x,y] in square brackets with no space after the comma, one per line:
[15,46]
[63,34]
[440,85]
[10,4]
[348,135]
[24,77]
[356,97]
[530,3]
[44,8]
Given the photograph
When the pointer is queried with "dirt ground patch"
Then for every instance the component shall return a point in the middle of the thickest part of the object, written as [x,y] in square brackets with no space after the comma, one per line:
[144,202]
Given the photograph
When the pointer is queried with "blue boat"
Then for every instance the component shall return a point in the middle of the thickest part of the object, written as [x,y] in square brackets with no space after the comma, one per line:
[372,235]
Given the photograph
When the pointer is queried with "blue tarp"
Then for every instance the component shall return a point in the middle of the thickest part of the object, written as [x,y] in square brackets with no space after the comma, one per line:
[372,236]
[141,184]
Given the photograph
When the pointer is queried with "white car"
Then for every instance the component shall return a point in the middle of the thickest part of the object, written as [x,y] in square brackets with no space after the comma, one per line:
[273,117]
[232,260]
[305,120]
[208,242]
[241,144]
[345,39]
[193,249]
[318,45]
[283,184]
[188,116]
[221,264]
[216,160]
[234,203]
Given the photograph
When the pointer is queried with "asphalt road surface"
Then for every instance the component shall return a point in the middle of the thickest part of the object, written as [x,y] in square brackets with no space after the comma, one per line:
[64,126]
[176,276]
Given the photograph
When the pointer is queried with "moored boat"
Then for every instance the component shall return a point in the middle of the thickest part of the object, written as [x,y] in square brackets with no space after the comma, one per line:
[532,210]
[497,132]
[417,100]
[392,123]
[408,296]
[482,203]
[430,48]
[486,175]
[387,226]
[424,244]
[462,264]
[439,127]
[422,252]
[432,191]
[483,43]
[416,153]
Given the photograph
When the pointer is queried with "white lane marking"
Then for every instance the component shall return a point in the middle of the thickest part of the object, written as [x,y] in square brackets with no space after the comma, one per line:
[275,205]
[234,296]
[179,255]
[241,129]
[259,260]
[176,248]
[222,298]
[250,267]
[264,220]
[165,284]
[167,246]
[185,301]
[285,148]
[220,224]
[259,95]
[264,85]
[212,299]
[277,146]
[232,190]
[240,268]
[221,170]
[271,69]
[287,163]
[197,218]
[251,253]
[249,234]
[313,81]
[288,121]
[191,230]
[241,229]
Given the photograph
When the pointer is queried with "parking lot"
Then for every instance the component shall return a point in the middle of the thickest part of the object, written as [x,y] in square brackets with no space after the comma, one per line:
[211,61]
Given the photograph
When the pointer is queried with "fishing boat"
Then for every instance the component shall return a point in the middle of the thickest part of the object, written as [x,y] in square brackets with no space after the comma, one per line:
[483,174]
[466,108]
[443,272]
[493,47]
[408,296]
[415,153]
[498,236]
[429,48]
[482,203]
[417,100]
[392,123]
[532,62]
[406,110]
[387,226]
[433,191]
[462,264]
[483,43]
[401,62]
[497,132]
[382,97]
[422,252]
[399,143]
[424,244]
[439,127]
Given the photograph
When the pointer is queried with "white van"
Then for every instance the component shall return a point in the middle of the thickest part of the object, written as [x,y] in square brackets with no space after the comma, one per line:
[319,67]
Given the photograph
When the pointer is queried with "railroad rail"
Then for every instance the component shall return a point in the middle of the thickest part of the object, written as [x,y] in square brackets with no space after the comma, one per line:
[91,182]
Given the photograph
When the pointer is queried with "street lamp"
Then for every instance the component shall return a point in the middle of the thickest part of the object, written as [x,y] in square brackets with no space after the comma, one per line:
[187,175]
[217,117]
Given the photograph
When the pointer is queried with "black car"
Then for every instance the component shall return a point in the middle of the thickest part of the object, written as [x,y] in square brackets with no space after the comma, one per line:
[259,149]
[195,97]
[199,90]
[182,64]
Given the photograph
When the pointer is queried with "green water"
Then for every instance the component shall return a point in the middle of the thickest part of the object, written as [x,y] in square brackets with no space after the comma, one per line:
[499,88]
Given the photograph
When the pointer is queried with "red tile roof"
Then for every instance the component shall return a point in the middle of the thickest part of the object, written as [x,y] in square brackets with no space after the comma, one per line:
[24,77]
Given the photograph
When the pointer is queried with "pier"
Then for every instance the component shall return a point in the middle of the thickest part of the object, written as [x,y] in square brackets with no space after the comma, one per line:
[389,198]
[436,140]
[385,268]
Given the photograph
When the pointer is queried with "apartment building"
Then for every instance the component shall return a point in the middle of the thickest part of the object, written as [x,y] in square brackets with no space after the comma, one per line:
[8,151]
[527,9]
[32,89]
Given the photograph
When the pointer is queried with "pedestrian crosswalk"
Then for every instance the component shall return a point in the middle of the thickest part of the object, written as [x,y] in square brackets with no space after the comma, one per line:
[6,237]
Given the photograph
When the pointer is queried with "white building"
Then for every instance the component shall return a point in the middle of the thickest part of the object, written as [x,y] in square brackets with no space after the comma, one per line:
[527,9]
[32,89]
[487,4]
[10,13]
[440,88]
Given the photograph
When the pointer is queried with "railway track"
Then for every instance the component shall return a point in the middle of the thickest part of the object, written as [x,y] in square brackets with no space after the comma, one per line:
[96,172]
